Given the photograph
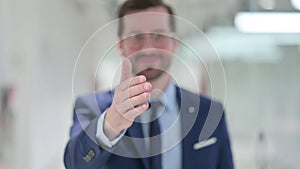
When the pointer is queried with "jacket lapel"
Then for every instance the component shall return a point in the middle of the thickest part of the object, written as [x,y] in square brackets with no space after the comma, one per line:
[189,104]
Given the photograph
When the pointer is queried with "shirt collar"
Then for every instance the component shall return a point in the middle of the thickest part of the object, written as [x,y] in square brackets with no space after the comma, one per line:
[169,97]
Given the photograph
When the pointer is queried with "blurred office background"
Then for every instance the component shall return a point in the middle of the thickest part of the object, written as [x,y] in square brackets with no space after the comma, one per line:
[258,42]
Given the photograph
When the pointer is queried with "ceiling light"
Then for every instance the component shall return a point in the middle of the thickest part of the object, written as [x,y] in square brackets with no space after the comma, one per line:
[267,22]
[296,4]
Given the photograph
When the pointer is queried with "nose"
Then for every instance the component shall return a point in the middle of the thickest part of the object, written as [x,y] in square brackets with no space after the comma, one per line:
[148,41]
[148,46]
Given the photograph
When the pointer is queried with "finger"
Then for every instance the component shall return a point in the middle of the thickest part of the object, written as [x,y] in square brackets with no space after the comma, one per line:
[134,101]
[132,82]
[136,90]
[133,113]
[126,69]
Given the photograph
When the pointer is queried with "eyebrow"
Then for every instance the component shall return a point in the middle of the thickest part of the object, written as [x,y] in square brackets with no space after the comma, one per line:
[154,31]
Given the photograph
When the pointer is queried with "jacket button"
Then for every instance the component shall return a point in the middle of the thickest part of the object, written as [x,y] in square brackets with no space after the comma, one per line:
[191,109]
[89,156]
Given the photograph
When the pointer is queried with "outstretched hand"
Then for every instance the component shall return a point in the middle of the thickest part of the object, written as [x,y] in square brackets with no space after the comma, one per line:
[129,101]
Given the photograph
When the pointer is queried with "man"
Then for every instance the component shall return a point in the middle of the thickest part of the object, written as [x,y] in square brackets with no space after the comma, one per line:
[112,129]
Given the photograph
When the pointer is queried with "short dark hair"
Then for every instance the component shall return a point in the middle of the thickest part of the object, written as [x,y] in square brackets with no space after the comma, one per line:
[135,5]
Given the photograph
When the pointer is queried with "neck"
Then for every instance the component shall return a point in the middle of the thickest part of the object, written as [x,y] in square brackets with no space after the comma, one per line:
[160,83]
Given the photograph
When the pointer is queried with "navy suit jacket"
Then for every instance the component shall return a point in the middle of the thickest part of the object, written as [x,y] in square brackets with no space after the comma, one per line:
[197,113]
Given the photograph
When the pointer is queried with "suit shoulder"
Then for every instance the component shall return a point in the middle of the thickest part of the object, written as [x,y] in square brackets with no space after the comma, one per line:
[204,100]
[207,105]
[92,96]
[97,99]
[209,101]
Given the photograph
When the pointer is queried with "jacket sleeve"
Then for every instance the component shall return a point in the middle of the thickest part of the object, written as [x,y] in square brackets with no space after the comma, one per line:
[82,150]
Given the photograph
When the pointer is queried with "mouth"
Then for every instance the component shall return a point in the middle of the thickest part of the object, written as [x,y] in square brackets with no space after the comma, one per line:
[151,60]
[151,73]
[150,65]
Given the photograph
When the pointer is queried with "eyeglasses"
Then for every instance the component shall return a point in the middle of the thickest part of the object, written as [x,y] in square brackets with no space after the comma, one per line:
[157,39]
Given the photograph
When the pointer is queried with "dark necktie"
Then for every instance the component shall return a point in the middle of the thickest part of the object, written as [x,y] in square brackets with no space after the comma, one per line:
[155,143]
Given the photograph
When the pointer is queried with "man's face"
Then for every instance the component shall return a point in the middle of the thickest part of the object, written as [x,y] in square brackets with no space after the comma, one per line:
[147,42]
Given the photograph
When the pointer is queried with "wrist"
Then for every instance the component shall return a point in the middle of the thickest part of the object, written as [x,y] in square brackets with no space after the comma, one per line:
[108,127]
[109,132]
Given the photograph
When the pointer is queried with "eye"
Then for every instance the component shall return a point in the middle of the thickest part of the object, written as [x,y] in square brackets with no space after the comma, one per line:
[155,36]
[159,36]
[138,37]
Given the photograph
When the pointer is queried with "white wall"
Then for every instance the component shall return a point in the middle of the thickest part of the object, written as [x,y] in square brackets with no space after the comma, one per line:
[265,97]
[43,39]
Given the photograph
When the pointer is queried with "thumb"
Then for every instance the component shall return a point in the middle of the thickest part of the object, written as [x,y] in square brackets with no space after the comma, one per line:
[126,69]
